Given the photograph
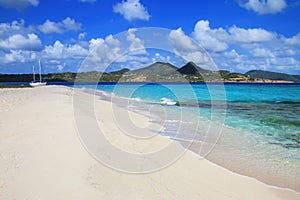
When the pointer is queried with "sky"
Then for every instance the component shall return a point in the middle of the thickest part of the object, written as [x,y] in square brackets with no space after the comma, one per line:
[75,35]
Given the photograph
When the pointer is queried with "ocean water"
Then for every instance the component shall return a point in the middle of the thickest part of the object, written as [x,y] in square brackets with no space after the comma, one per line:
[268,110]
[262,121]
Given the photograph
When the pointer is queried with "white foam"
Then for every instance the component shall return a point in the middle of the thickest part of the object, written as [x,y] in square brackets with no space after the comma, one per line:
[166,101]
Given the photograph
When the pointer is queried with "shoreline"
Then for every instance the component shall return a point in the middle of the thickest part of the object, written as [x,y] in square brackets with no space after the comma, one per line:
[260,173]
[100,179]
[234,165]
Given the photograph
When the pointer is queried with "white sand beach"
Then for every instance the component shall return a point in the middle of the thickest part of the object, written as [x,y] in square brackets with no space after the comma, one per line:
[42,157]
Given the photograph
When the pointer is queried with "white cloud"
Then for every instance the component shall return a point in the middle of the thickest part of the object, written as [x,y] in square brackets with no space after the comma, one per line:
[18,27]
[232,48]
[285,52]
[61,51]
[235,57]
[220,39]
[210,39]
[20,42]
[95,43]
[101,53]
[82,36]
[9,27]
[18,4]
[295,40]
[262,52]
[283,61]
[231,54]
[159,58]
[181,41]
[130,52]
[185,48]
[137,45]
[19,56]
[65,25]
[15,27]
[60,67]
[71,25]
[50,27]
[250,35]
[265,6]
[132,10]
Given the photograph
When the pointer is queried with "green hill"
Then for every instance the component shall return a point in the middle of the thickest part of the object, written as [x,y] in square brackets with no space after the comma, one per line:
[156,72]
[273,75]
[159,72]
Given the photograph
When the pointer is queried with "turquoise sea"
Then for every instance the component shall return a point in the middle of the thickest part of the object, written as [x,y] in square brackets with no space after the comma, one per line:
[268,110]
[262,121]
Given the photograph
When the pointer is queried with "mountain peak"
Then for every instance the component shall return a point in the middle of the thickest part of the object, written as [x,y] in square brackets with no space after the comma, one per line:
[191,69]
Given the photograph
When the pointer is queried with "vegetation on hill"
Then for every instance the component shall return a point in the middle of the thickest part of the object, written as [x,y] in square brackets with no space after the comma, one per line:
[273,75]
[158,72]
[14,86]
[165,72]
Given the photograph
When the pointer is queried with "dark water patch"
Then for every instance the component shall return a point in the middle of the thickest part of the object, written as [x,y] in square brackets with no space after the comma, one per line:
[287,146]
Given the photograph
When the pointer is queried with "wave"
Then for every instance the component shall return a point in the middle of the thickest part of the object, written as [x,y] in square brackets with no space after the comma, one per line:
[166,101]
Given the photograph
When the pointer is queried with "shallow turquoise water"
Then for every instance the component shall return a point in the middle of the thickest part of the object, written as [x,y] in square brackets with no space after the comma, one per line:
[269,110]
[261,136]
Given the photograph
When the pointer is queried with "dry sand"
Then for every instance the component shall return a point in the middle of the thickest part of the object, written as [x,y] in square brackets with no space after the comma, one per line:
[42,157]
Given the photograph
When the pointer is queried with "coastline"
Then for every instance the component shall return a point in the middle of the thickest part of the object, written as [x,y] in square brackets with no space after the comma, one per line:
[233,159]
[26,84]
[42,157]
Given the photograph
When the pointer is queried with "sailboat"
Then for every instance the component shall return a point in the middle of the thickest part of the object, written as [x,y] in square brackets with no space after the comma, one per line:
[37,83]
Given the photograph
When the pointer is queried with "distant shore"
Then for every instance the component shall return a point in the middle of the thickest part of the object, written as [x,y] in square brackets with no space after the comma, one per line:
[160,72]
[26,84]
[42,157]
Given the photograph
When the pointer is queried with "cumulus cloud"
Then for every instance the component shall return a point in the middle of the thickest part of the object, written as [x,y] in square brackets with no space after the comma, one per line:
[181,41]
[93,43]
[18,27]
[15,27]
[160,58]
[250,35]
[61,51]
[132,10]
[262,52]
[19,42]
[220,39]
[294,41]
[210,39]
[136,44]
[65,25]
[262,7]
[18,4]
[129,52]
[234,56]
[19,56]
[232,48]
[185,48]
[101,53]
[249,48]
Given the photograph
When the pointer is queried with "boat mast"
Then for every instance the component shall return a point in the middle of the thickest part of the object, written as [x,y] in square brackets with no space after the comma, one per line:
[33,74]
[40,70]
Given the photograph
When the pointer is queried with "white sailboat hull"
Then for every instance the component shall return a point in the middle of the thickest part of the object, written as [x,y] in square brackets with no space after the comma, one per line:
[36,84]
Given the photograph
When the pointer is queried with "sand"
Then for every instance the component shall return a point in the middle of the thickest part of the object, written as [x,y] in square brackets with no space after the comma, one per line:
[42,157]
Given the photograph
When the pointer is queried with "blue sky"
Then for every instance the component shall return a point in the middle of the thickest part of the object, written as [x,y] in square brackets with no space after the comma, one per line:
[239,35]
